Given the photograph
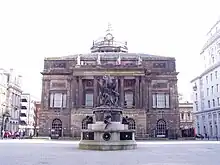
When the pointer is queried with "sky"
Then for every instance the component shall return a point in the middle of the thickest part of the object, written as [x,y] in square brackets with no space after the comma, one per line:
[32,30]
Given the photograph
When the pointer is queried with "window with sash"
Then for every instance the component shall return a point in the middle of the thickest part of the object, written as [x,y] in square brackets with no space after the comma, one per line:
[58,100]
[88,99]
[161,100]
[129,99]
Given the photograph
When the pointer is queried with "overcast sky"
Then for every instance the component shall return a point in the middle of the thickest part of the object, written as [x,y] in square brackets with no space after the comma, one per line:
[31,30]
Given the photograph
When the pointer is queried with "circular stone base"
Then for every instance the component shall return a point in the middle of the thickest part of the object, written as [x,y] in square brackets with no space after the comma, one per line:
[107,146]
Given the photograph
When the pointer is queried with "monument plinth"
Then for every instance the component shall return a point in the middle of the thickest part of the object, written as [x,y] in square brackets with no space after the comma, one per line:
[110,130]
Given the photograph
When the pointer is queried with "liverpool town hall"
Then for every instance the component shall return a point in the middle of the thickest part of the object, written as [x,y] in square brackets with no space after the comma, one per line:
[147,85]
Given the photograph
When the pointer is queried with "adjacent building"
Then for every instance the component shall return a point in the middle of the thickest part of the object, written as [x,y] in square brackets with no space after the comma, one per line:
[186,119]
[27,113]
[206,87]
[3,95]
[10,102]
[147,85]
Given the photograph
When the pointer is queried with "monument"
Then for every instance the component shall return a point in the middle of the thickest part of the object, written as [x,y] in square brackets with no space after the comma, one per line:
[109,129]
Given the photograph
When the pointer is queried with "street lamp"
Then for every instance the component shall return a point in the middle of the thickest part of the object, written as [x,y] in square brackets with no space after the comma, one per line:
[195,87]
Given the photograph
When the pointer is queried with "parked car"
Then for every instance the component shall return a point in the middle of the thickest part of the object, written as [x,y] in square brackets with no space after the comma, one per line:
[199,136]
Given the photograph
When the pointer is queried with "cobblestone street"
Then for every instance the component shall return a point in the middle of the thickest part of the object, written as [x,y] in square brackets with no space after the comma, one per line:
[37,152]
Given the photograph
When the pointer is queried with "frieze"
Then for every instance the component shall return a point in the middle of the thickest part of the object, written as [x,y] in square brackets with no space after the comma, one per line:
[159,65]
[61,65]
[160,84]
[57,84]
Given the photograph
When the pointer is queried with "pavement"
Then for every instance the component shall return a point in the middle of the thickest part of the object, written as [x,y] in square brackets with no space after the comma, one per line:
[52,152]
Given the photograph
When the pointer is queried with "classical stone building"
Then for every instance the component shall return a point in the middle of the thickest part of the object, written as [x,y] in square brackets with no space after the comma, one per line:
[147,85]
[186,119]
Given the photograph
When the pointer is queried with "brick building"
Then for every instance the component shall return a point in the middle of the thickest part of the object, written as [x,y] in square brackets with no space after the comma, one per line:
[147,85]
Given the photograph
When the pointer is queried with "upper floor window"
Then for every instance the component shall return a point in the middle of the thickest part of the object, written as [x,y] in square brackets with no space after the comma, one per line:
[189,115]
[209,104]
[216,74]
[218,101]
[207,91]
[89,99]
[129,99]
[212,89]
[213,102]
[216,87]
[213,59]
[196,96]
[207,80]
[161,100]
[58,100]
[211,77]
[182,115]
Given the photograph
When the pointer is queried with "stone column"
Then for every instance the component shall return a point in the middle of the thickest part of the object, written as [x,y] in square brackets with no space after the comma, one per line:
[148,94]
[80,91]
[142,92]
[95,92]
[137,92]
[74,92]
[122,95]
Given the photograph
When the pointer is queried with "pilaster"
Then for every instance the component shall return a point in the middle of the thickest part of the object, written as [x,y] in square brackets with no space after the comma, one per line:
[122,95]
[137,92]
[80,91]
[95,95]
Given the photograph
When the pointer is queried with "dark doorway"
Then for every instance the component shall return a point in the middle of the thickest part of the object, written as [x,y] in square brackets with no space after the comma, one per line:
[57,126]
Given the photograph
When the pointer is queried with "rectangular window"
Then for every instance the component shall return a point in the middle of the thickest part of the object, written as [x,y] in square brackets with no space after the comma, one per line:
[216,87]
[129,99]
[218,101]
[209,105]
[207,91]
[211,77]
[161,100]
[58,100]
[207,80]
[216,74]
[212,89]
[89,100]
[213,102]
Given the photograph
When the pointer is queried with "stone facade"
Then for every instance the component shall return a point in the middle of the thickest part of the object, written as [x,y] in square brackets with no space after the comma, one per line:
[186,119]
[147,85]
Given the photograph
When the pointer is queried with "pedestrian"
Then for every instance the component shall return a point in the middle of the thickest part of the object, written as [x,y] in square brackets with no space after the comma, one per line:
[3,134]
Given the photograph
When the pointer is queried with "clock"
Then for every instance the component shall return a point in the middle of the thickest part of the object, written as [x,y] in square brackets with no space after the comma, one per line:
[109,36]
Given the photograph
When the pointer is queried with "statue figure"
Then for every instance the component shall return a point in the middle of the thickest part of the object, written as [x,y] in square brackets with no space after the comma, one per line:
[108,94]
[125,120]
[89,120]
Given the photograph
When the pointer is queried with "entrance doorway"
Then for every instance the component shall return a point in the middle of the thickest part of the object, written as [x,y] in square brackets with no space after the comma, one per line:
[57,126]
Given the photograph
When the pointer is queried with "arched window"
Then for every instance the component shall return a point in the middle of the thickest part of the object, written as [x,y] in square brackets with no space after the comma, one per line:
[57,126]
[84,124]
[161,127]
[131,124]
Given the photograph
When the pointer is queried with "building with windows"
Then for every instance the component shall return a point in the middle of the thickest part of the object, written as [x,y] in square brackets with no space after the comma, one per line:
[3,94]
[206,91]
[27,113]
[186,119]
[10,99]
[147,85]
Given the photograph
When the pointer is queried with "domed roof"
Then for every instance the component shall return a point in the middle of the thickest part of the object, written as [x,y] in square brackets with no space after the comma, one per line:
[108,43]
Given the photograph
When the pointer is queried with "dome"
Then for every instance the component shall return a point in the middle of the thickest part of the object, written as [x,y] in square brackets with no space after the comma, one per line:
[108,43]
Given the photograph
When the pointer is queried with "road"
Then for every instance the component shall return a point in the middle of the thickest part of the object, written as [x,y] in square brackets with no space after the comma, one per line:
[39,152]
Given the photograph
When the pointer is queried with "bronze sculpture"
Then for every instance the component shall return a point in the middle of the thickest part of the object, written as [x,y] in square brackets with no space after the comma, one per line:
[108,95]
